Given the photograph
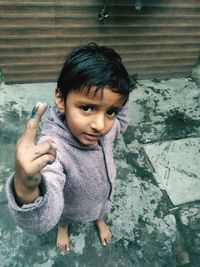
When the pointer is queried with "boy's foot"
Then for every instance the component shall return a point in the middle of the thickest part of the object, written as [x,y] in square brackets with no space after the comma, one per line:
[104,232]
[63,238]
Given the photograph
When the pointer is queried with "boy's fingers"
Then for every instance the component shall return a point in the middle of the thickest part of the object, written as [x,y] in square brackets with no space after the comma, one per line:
[48,147]
[43,161]
[31,126]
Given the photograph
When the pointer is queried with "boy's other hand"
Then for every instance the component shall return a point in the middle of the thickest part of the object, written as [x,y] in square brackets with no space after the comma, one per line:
[31,158]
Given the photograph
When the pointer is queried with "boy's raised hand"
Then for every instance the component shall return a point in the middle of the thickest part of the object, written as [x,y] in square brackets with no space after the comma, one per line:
[31,158]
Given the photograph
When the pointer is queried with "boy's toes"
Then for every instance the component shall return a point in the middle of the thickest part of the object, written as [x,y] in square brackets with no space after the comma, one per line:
[106,240]
[63,247]
[103,242]
[60,247]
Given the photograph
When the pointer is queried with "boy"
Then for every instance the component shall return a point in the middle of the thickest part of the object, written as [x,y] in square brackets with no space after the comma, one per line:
[70,174]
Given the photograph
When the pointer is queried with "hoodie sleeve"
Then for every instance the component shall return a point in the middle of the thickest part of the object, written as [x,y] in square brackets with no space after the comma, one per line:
[122,119]
[120,125]
[44,213]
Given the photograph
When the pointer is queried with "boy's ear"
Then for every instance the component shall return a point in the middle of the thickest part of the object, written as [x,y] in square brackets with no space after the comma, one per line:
[59,101]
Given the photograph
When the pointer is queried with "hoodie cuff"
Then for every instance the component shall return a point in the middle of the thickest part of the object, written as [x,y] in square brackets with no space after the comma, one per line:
[12,198]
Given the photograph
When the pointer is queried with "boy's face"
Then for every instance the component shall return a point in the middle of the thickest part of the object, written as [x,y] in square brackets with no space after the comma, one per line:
[90,116]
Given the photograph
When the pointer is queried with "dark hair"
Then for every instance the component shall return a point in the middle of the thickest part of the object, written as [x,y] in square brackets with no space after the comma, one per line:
[92,65]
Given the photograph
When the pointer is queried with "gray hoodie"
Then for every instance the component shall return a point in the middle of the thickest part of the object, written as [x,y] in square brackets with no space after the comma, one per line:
[78,186]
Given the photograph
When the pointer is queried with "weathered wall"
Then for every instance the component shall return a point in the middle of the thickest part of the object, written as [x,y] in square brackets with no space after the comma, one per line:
[160,40]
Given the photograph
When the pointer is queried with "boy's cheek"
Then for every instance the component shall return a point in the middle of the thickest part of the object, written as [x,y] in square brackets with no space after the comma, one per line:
[109,126]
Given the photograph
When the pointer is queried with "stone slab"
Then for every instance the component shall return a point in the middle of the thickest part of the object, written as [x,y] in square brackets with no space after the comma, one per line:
[177,168]
[140,236]
[165,110]
[24,96]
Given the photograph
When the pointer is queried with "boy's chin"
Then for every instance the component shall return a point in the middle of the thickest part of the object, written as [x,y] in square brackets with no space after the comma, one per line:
[88,143]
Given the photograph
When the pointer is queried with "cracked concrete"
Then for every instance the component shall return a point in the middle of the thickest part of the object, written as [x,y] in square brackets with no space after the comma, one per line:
[176,165]
[155,217]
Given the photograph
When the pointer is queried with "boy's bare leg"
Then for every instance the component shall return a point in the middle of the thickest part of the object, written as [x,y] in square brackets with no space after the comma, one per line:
[104,232]
[63,238]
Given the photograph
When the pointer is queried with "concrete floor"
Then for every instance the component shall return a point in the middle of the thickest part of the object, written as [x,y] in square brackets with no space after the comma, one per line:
[155,219]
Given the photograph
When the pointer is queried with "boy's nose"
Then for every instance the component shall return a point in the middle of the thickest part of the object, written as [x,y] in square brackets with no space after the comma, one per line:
[98,123]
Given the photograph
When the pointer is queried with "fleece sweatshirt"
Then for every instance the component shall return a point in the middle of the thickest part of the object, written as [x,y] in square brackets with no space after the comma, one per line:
[78,186]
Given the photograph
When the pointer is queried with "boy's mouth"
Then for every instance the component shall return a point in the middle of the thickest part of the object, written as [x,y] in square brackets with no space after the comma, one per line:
[91,137]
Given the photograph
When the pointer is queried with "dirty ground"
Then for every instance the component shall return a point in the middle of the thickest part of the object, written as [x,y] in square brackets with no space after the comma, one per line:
[155,219]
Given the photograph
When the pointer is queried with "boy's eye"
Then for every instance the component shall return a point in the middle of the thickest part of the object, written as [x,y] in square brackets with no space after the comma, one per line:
[86,108]
[112,113]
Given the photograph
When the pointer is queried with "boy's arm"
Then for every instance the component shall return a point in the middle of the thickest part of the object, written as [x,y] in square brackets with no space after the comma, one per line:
[122,120]
[25,187]
[44,213]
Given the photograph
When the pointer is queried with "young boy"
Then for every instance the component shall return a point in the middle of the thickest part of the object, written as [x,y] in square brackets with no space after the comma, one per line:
[70,174]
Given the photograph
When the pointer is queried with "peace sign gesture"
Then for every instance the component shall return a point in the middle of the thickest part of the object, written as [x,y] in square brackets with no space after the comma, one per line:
[30,158]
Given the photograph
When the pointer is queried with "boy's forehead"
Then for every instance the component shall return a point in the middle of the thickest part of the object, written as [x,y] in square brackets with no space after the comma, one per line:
[105,95]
